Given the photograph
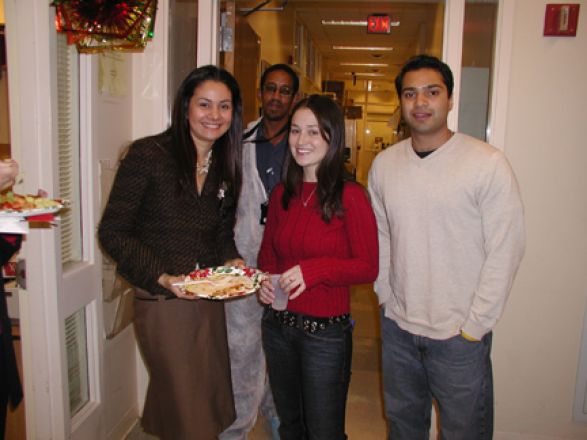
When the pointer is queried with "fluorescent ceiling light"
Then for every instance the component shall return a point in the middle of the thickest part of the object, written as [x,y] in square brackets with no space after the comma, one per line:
[352,23]
[365,64]
[344,22]
[371,48]
[363,74]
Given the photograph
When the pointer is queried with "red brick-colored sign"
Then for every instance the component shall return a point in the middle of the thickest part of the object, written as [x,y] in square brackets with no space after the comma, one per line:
[378,24]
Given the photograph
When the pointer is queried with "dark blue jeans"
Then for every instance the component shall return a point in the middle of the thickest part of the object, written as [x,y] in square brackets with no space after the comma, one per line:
[309,376]
[455,372]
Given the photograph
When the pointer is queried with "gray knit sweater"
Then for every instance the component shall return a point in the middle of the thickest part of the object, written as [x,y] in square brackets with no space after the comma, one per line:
[451,236]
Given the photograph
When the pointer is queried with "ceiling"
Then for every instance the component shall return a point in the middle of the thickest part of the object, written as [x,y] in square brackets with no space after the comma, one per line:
[419,29]
[414,33]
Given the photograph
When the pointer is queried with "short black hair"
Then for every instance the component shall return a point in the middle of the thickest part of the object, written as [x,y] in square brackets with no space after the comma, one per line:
[284,68]
[424,61]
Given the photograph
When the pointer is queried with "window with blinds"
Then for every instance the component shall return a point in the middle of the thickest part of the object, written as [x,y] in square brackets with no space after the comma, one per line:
[68,152]
[77,360]
[68,132]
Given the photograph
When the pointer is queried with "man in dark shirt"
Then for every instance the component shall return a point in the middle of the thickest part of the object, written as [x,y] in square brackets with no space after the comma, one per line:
[265,143]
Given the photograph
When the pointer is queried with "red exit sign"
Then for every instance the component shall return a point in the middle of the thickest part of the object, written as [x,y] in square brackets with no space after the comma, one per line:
[378,24]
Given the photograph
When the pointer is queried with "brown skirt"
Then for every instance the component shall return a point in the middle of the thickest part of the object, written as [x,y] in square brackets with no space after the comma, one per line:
[185,349]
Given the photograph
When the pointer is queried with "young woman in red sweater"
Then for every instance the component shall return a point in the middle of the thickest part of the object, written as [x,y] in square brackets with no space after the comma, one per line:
[321,236]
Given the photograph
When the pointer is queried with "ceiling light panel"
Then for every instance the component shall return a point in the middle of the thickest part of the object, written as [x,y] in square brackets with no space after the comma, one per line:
[369,48]
[344,23]
[363,74]
[365,64]
[362,23]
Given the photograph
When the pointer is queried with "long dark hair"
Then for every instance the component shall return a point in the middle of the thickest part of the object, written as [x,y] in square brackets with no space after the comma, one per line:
[226,151]
[331,173]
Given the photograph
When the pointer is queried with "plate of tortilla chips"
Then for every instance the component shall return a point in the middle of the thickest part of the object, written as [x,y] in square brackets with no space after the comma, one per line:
[222,282]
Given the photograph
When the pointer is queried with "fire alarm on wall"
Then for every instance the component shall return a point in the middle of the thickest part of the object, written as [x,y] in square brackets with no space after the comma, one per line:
[561,20]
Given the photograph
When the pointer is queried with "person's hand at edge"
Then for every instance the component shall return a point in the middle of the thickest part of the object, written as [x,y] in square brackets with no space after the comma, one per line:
[468,337]
[265,292]
[167,281]
[292,281]
[8,172]
[236,262]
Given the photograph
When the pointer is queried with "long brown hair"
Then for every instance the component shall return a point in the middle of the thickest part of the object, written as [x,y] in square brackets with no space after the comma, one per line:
[331,174]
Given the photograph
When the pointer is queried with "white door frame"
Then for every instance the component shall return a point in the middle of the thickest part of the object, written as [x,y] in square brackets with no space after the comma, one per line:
[30,103]
[452,55]
[501,74]
[208,31]
[452,48]
[52,294]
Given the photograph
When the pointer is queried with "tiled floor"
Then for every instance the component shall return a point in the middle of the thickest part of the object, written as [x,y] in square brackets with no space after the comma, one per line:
[365,419]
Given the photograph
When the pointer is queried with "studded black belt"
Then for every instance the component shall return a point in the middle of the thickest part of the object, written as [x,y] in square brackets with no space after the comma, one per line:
[309,324]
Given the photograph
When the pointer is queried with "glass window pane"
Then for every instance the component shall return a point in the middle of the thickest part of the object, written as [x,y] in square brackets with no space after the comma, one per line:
[77,360]
[477,66]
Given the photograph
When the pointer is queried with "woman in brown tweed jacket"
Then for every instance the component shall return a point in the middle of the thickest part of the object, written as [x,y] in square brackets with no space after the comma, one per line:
[172,206]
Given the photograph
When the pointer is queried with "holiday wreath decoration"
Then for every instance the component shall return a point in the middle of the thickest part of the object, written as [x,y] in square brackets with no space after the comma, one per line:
[99,25]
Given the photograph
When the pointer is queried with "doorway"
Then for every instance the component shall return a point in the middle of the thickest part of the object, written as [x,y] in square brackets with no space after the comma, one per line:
[328,45]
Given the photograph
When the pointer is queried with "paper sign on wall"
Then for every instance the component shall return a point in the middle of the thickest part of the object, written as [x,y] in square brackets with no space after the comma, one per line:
[112,73]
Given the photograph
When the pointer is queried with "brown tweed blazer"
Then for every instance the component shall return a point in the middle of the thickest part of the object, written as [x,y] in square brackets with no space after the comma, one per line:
[151,225]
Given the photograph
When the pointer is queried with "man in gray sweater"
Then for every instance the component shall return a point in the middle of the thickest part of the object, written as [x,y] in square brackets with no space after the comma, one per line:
[451,237]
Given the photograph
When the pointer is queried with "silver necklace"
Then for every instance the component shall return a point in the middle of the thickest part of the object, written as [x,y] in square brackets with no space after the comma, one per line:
[205,167]
[305,202]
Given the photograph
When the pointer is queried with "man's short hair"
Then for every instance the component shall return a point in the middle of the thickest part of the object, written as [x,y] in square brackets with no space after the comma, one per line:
[284,68]
[425,62]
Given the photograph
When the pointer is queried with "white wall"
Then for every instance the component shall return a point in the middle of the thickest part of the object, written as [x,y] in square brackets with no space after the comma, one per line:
[538,341]
[118,120]
[112,131]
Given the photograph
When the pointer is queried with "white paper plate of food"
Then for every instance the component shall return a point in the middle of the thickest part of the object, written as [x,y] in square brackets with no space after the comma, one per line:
[22,206]
[222,282]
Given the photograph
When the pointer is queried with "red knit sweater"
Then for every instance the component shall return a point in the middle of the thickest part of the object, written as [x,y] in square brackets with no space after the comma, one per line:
[332,256]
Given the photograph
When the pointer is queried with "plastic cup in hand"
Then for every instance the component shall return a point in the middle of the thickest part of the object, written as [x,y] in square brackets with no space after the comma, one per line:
[281,296]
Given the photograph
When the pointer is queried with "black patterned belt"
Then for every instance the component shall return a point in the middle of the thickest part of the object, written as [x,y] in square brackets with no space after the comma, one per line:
[309,324]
